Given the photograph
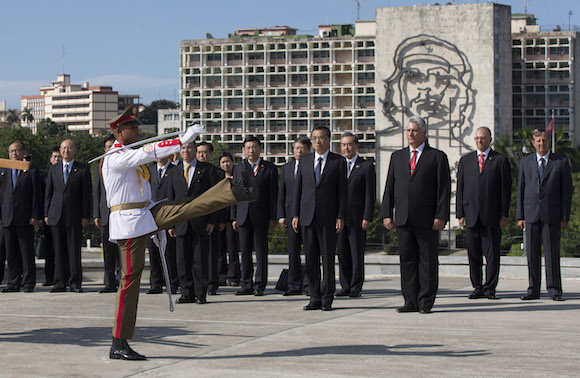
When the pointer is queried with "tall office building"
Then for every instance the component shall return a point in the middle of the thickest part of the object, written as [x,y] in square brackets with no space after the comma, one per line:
[544,77]
[78,106]
[277,85]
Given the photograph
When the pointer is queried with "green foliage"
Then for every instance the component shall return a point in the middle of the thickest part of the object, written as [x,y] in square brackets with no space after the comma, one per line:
[570,241]
[27,115]
[277,240]
[218,148]
[377,234]
[149,115]
[49,128]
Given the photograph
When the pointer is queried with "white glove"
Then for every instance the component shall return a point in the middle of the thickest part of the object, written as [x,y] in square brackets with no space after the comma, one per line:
[191,133]
[160,240]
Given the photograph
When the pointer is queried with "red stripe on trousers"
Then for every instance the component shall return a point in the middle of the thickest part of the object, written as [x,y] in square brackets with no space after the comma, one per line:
[122,295]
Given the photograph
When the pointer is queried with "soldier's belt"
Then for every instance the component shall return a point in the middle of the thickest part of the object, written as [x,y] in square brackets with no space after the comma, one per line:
[129,206]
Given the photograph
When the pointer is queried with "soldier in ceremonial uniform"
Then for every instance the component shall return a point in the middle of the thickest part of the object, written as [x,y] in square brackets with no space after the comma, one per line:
[134,217]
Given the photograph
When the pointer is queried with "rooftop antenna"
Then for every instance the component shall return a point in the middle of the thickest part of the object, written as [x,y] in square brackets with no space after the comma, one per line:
[569,14]
[526,7]
[357,9]
[62,58]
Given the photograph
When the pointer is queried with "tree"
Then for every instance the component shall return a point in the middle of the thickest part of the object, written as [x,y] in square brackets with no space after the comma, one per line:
[49,128]
[149,115]
[27,116]
[13,118]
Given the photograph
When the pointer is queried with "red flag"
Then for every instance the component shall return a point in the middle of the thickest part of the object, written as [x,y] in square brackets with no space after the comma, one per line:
[550,128]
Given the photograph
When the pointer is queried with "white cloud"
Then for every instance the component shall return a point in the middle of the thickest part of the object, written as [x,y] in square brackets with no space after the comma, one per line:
[12,90]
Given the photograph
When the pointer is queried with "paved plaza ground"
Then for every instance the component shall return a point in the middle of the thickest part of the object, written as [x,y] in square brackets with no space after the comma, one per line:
[68,334]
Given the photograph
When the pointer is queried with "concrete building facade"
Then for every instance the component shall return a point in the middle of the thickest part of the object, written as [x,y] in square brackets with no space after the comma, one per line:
[451,65]
[168,121]
[280,87]
[78,106]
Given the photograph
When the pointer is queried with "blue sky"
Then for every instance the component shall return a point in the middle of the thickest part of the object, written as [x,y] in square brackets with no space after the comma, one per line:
[134,45]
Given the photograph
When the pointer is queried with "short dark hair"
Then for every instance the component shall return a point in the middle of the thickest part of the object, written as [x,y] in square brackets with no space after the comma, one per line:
[204,143]
[303,140]
[538,132]
[252,138]
[109,138]
[19,142]
[55,149]
[225,154]
[324,128]
[348,134]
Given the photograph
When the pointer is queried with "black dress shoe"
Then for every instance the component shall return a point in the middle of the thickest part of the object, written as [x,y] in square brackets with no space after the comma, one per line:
[492,297]
[291,292]
[326,308]
[120,350]
[11,289]
[212,292]
[476,294]
[354,295]
[108,289]
[407,308]
[201,301]
[342,293]
[76,290]
[155,290]
[234,283]
[259,293]
[529,297]
[312,306]
[28,289]
[557,298]
[185,299]
[425,311]
[246,189]
[244,292]
[47,283]
[59,289]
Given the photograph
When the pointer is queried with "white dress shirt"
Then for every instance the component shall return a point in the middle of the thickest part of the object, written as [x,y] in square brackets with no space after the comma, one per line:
[324,157]
[418,153]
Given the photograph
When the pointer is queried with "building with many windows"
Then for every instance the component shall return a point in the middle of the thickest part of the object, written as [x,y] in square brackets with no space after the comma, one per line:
[277,85]
[78,106]
[544,77]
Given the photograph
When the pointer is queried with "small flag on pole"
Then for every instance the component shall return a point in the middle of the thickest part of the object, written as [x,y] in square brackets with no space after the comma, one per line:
[550,129]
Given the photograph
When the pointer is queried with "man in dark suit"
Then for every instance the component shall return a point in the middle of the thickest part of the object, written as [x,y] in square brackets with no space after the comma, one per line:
[111,256]
[418,189]
[159,178]
[362,194]
[21,209]
[204,154]
[67,208]
[49,260]
[484,187]
[191,178]
[288,175]
[320,205]
[252,220]
[543,211]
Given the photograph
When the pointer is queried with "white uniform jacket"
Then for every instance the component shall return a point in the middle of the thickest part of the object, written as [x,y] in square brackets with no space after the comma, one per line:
[125,182]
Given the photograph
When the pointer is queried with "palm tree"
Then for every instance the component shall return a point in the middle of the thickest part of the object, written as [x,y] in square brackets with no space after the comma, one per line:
[27,116]
[13,118]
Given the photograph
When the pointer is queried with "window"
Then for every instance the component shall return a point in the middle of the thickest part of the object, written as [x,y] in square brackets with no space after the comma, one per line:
[214,57]
[365,52]
[299,55]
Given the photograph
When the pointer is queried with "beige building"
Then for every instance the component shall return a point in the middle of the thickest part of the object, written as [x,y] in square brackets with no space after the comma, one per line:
[78,106]
[279,87]
[544,77]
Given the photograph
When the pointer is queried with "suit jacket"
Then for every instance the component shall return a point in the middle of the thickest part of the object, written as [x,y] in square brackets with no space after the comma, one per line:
[22,202]
[419,199]
[326,202]
[263,209]
[362,193]
[486,195]
[159,189]
[286,191]
[548,201]
[68,202]
[203,178]
[100,208]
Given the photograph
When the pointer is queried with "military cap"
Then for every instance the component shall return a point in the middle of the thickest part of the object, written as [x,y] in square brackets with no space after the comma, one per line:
[128,116]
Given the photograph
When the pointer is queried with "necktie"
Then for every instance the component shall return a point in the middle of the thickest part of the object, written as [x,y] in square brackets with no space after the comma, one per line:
[542,166]
[255,168]
[413,162]
[349,168]
[295,169]
[186,173]
[14,177]
[160,174]
[318,170]
[66,172]
[481,162]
